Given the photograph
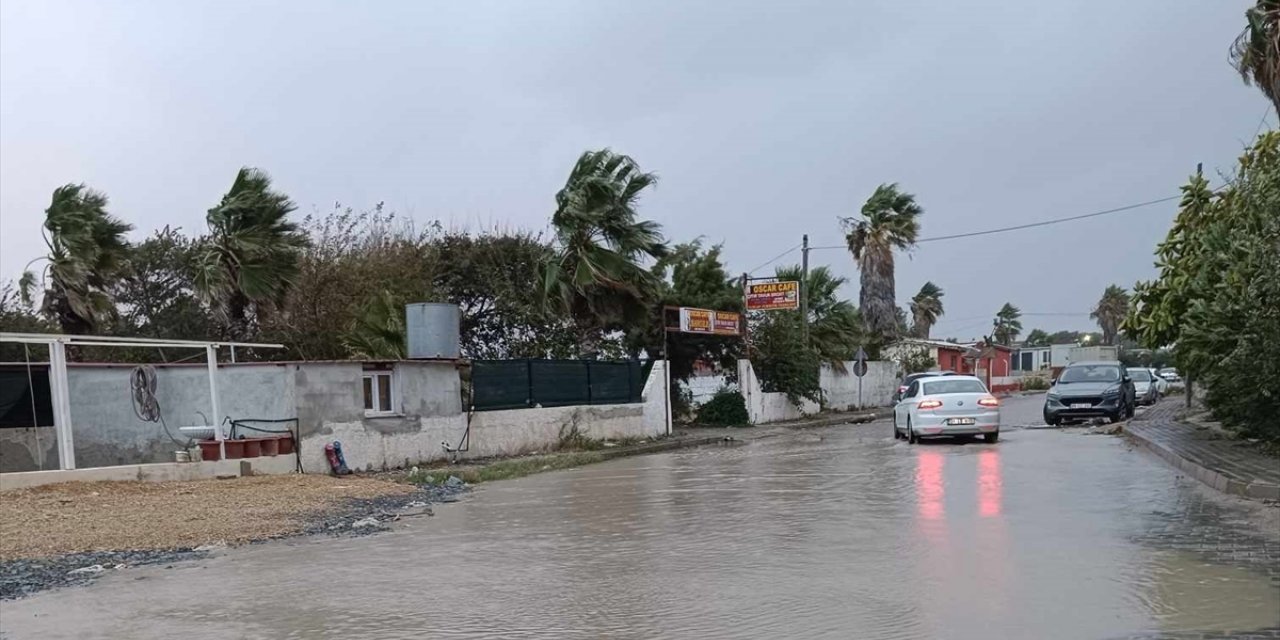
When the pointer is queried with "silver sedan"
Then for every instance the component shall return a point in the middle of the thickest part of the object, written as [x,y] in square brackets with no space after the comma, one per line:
[946,406]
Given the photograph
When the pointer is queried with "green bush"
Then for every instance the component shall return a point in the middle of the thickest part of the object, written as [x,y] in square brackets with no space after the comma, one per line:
[726,408]
[1034,383]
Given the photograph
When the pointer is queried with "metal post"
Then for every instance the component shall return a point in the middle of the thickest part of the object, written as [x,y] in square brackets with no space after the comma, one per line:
[804,293]
[746,321]
[211,355]
[61,400]
[666,376]
[859,392]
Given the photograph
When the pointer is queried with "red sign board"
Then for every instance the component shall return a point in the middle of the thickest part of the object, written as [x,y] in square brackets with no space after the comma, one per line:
[770,296]
[706,321]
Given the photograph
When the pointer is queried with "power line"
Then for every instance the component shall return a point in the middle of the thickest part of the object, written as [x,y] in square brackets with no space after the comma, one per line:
[1265,112]
[777,258]
[1042,223]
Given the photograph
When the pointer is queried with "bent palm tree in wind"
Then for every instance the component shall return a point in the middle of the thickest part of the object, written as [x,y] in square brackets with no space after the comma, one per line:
[87,254]
[594,276]
[249,260]
[835,330]
[926,308]
[1256,51]
[1008,324]
[890,220]
[1111,311]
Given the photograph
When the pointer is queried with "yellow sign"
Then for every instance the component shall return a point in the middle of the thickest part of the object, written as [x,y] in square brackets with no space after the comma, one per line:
[770,296]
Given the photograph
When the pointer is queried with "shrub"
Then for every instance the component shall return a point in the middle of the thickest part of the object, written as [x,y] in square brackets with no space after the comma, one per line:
[726,408]
[1034,383]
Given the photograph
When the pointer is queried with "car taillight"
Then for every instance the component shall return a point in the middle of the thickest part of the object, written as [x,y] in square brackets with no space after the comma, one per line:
[989,402]
[929,404]
[901,389]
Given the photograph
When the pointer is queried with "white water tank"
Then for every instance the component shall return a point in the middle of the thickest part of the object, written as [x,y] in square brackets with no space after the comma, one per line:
[432,329]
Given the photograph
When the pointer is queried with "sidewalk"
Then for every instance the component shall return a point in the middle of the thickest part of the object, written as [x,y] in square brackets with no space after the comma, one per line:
[1225,465]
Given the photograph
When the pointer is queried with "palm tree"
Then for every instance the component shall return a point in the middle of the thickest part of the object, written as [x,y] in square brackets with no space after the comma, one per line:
[88,253]
[594,276]
[835,330]
[926,308]
[890,220]
[1007,324]
[1256,51]
[378,332]
[1111,311]
[249,260]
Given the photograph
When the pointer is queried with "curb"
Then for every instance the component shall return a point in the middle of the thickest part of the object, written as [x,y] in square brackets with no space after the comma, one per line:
[660,446]
[1215,479]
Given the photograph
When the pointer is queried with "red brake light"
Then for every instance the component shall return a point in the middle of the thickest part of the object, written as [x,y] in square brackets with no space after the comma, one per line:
[989,401]
[929,404]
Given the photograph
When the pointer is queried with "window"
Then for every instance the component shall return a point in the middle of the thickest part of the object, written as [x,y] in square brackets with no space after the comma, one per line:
[959,385]
[911,390]
[377,392]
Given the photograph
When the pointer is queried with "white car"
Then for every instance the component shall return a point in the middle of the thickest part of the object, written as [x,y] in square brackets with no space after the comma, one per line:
[1162,385]
[1170,375]
[1145,391]
[946,406]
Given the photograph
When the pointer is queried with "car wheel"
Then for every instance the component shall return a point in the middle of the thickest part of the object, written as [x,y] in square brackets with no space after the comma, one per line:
[991,437]
[1051,419]
[1129,410]
[911,435]
[896,435]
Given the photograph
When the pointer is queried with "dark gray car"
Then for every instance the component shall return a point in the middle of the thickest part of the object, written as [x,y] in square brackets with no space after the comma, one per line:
[1090,390]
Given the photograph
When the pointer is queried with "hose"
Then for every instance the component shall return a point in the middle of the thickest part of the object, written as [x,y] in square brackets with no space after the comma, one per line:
[142,390]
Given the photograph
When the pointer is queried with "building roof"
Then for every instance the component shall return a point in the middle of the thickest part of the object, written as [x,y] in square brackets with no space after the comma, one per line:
[924,342]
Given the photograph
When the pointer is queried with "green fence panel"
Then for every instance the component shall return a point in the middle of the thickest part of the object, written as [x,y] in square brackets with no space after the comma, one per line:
[558,383]
[500,384]
[517,384]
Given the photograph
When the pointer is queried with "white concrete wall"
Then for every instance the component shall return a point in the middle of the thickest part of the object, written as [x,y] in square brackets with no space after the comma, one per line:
[763,408]
[703,388]
[406,439]
[840,389]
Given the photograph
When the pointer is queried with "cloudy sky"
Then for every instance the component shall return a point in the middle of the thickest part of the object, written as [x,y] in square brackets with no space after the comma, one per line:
[764,120]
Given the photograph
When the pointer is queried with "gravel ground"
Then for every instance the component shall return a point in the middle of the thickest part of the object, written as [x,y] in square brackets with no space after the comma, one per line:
[60,535]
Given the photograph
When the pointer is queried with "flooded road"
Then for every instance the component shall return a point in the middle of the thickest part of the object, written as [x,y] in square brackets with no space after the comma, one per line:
[841,532]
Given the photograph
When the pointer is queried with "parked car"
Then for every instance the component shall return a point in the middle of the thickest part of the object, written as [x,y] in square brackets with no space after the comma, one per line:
[912,377]
[1162,385]
[946,404]
[1170,375]
[1144,386]
[1090,390]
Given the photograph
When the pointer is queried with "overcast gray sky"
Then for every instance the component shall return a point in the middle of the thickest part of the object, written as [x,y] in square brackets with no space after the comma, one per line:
[764,120]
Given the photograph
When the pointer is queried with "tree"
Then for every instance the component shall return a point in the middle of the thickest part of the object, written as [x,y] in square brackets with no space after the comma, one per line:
[1256,51]
[378,332]
[87,255]
[890,220]
[1214,298]
[17,315]
[594,275]
[1037,338]
[249,261]
[689,276]
[1007,325]
[926,308]
[1110,312]
[157,297]
[835,329]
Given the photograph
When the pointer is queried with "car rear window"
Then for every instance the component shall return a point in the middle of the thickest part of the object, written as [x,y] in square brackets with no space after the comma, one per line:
[936,387]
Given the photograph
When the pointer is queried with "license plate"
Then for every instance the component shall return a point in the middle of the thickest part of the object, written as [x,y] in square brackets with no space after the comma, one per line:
[1082,405]
[959,421]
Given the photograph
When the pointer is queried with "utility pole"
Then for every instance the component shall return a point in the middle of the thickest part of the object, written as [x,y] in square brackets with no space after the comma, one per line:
[804,293]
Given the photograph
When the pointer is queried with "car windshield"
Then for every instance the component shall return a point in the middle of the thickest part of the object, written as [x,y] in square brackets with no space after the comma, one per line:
[937,387]
[1090,373]
[1140,375]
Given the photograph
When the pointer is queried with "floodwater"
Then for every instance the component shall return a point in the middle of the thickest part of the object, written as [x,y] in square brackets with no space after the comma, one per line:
[840,533]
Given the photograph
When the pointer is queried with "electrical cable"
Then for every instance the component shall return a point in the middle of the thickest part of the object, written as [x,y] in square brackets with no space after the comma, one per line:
[1030,225]
[35,421]
[777,258]
[1265,112]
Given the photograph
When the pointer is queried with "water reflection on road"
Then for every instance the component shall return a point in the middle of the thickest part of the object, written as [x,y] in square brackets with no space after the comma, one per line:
[834,533]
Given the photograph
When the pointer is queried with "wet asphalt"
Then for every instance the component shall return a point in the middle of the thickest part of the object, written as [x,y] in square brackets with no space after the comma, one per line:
[839,532]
